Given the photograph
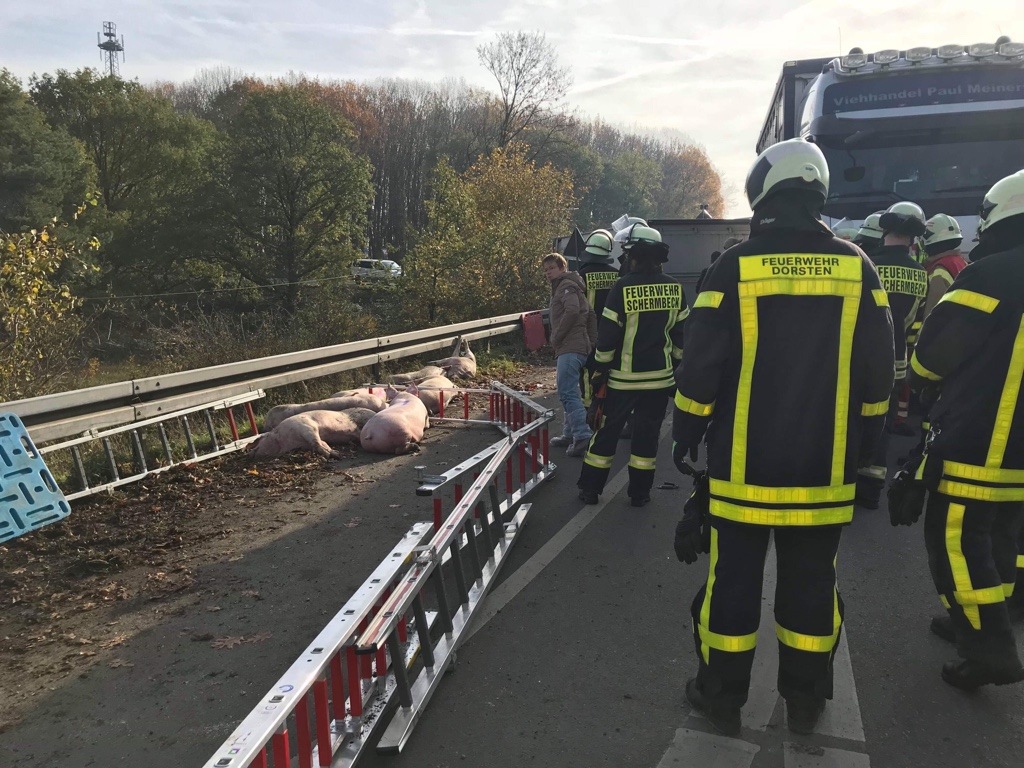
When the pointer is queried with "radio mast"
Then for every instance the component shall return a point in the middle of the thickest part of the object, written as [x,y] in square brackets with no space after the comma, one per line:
[110,48]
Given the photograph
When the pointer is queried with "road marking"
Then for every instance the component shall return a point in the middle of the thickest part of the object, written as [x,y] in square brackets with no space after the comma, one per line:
[764,694]
[807,756]
[690,749]
[503,594]
[841,717]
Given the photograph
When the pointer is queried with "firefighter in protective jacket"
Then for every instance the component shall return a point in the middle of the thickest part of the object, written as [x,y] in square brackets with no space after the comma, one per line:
[639,340]
[787,366]
[905,281]
[598,278]
[972,348]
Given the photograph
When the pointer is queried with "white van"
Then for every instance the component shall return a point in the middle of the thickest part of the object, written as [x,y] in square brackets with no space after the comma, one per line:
[376,269]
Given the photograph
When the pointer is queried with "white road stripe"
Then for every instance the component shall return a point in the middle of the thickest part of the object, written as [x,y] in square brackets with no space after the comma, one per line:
[764,675]
[807,756]
[503,594]
[842,715]
[696,749]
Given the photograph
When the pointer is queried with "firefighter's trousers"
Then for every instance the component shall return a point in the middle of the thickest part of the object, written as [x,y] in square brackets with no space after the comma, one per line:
[648,409]
[871,479]
[972,554]
[808,610]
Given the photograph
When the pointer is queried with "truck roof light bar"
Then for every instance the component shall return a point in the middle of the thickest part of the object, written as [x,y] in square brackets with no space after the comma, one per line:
[854,61]
[1011,50]
[982,50]
[888,56]
[916,54]
[947,52]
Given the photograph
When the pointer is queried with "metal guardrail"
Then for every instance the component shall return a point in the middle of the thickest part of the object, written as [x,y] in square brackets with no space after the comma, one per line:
[384,643]
[69,414]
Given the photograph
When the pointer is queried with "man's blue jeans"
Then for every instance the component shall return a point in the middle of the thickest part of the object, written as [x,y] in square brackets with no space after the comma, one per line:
[567,380]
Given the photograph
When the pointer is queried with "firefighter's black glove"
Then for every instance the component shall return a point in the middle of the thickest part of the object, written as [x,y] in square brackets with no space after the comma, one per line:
[679,457]
[693,531]
[599,388]
[907,494]
[928,396]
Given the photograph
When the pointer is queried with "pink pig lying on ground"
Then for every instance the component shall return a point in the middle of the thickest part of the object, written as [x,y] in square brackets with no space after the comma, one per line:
[279,413]
[415,377]
[429,391]
[399,427]
[316,431]
[462,363]
[375,391]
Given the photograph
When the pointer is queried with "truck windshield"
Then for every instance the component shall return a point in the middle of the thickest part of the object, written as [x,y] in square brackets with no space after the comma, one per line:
[868,170]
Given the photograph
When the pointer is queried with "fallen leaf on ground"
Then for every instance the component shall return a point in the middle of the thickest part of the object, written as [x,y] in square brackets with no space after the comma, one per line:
[227,642]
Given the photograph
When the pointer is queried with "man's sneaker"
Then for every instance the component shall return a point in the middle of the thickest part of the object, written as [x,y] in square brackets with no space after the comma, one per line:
[803,716]
[588,497]
[725,720]
[967,674]
[561,441]
[639,501]
[942,626]
[577,447]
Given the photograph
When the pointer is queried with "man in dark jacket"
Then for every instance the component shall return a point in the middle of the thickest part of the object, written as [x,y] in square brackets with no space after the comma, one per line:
[972,348]
[573,329]
[787,366]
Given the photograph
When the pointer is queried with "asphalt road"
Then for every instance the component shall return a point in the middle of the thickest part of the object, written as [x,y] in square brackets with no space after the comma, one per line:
[580,658]
[585,663]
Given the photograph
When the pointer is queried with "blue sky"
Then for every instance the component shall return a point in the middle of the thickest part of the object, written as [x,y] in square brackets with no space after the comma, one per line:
[704,69]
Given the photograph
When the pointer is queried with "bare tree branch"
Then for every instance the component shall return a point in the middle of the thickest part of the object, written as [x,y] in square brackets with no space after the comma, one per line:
[531,81]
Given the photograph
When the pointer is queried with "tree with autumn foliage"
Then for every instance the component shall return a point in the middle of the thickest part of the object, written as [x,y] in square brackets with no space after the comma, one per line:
[487,230]
[39,324]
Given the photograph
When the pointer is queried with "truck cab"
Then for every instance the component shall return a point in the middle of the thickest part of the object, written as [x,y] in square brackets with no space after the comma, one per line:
[937,126]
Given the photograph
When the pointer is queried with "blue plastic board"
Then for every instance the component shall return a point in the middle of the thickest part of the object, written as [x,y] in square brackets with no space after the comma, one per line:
[29,496]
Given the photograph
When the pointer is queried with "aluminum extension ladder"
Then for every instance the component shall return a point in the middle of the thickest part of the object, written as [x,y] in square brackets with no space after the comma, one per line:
[103,460]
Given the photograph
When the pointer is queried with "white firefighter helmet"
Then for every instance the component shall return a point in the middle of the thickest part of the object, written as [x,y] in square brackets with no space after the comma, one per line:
[642,240]
[942,229]
[1005,199]
[598,249]
[871,229]
[791,164]
[903,218]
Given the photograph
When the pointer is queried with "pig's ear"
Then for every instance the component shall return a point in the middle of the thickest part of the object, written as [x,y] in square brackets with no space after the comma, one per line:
[412,389]
[390,392]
